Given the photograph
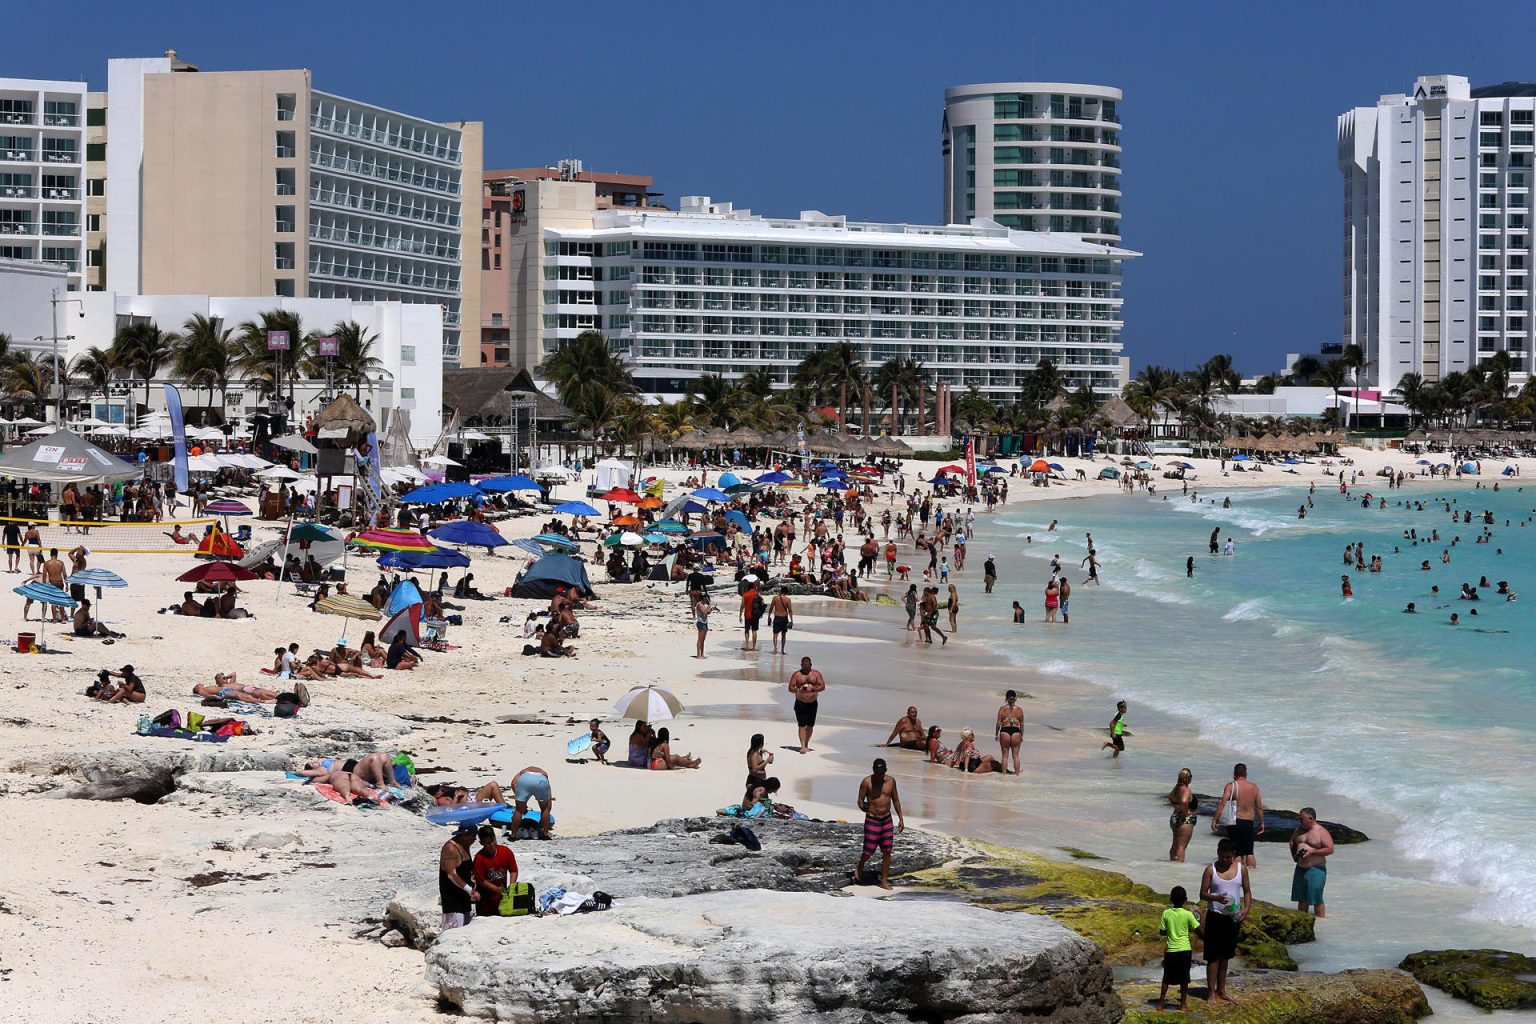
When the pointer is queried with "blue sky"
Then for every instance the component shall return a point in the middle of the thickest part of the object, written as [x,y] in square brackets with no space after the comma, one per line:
[1231,185]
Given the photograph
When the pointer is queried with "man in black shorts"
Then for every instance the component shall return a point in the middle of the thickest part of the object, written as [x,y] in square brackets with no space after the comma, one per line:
[1249,825]
[806,684]
[783,614]
[12,536]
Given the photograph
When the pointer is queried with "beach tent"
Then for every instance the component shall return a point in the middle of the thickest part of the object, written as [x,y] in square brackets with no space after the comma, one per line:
[218,544]
[407,620]
[740,519]
[1109,473]
[64,457]
[612,473]
[727,480]
[552,571]
[1039,466]
[405,594]
[1469,467]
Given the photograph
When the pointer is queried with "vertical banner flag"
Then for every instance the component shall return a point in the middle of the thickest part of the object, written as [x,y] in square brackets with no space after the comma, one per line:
[970,462]
[801,445]
[375,467]
[179,433]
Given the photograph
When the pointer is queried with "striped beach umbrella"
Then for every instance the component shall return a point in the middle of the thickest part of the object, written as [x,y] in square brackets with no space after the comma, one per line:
[392,540]
[98,578]
[348,607]
[226,507]
[44,593]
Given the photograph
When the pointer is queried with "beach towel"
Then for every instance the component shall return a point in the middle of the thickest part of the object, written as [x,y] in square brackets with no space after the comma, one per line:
[182,734]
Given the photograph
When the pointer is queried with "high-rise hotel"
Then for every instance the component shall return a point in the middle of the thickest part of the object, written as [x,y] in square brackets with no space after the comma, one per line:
[1437,227]
[42,174]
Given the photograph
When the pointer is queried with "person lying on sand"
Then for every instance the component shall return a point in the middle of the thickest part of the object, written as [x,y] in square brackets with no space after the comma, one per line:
[226,687]
[446,794]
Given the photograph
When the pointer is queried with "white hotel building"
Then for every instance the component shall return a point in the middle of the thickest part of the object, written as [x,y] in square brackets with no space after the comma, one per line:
[712,289]
[42,172]
[1437,227]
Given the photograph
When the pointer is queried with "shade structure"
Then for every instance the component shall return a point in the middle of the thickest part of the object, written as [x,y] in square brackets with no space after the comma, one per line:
[576,508]
[711,494]
[348,607]
[550,573]
[217,572]
[774,478]
[406,594]
[436,494]
[64,457]
[623,494]
[309,533]
[96,578]
[440,460]
[626,538]
[502,484]
[467,531]
[728,480]
[297,443]
[669,526]
[527,546]
[740,519]
[218,544]
[1039,466]
[625,520]
[392,540]
[47,594]
[557,542]
[226,507]
[648,704]
[649,501]
[437,558]
[279,473]
[405,620]
[737,490]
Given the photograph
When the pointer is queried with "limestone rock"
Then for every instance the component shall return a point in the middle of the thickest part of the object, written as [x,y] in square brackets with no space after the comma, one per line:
[1285,997]
[779,956]
[1280,825]
[1493,979]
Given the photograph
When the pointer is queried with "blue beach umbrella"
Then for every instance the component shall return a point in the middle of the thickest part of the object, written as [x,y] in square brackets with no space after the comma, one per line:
[711,494]
[655,538]
[692,508]
[1423,462]
[557,542]
[1058,467]
[576,508]
[438,558]
[502,484]
[527,545]
[1290,462]
[45,594]
[467,531]
[98,578]
[669,526]
[739,518]
[774,478]
[1241,458]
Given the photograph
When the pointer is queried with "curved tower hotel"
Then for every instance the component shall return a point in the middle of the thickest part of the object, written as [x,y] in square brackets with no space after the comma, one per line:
[1034,156]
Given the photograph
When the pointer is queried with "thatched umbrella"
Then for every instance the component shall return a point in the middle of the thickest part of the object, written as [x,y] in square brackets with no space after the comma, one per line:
[824,444]
[747,438]
[716,437]
[690,441]
[343,422]
[895,445]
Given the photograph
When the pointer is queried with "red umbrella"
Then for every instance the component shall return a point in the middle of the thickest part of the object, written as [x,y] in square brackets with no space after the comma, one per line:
[217,572]
[623,494]
[951,469]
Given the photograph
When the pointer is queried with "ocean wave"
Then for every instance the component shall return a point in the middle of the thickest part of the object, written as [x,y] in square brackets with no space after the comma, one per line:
[1253,608]
[1129,586]
[1254,521]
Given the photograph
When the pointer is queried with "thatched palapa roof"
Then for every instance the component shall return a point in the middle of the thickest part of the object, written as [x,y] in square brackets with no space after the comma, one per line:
[483,395]
[342,423]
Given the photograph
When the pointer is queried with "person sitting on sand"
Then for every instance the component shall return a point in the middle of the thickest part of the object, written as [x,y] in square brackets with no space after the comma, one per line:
[760,794]
[130,691]
[661,757]
[551,647]
[640,745]
[226,687]
[969,759]
[372,653]
[400,655]
[86,625]
[352,779]
[938,753]
[350,663]
[179,537]
[907,732]
[189,605]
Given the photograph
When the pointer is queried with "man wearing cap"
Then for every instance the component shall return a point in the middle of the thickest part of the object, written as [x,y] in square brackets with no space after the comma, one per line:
[877,796]
[455,885]
[989,572]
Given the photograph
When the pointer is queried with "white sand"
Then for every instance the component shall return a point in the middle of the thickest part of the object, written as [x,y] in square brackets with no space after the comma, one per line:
[99,923]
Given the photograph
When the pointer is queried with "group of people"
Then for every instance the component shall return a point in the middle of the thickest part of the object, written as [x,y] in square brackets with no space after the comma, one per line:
[1008,732]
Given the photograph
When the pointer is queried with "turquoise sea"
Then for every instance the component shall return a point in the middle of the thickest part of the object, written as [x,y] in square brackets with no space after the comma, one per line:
[1429,723]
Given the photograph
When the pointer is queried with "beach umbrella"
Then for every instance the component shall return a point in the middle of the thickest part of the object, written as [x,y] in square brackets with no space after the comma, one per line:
[98,578]
[576,508]
[348,607]
[1039,466]
[309,533]
[380,539]
[669,526]
[226,507]
[1242,458]
[623,494]
[440,460]
[437,558]
[655,538]
[556,542]
[44,593]
[1423,462]
[739,518]
[503,484]
[648,704]
[711,494]
[951,469]
[279,473]
[1290,462]
[467,531]
[526,544]
[692,508]
[628,539]
[774,478]
[649,501]
[1058,467]
[436,494]
[737,490]
[216,572]
[625,521]
[1143,464]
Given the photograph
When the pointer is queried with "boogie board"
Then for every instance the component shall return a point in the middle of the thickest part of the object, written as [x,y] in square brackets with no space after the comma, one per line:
[530,817]
[579,744]
[455,814]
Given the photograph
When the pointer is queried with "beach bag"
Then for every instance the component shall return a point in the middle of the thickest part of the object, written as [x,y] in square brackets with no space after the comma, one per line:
[168,719]
[287,706]
[194,721]
[1229,812]
[405,770]
[758,606]
[517,900]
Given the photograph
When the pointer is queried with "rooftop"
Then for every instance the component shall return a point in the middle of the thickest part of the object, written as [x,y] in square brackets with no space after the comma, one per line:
[1504,90]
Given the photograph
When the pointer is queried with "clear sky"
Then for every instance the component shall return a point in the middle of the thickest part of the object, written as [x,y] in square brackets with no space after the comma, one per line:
[1232,190]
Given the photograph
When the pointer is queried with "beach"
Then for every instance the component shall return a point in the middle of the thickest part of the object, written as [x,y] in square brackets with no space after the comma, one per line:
[104,925]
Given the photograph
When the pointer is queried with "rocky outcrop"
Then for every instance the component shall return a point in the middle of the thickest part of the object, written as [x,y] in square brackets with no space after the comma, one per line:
[1493,979]
[1283,997]
[1117,913]
[1280,825]
[773,956]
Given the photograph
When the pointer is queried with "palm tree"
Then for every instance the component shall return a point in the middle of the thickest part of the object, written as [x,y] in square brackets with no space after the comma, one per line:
[1410,391]
[757,382]
[1155,387]
[1457,390]
[96,368]
[355,362]
[1354,358]
[257,364]
[1334,375]
[1305,369]
[1043,383]
[716,400]
[202,355]
[28,379]
[973,410]
[142,348]
[6,353]
[588,375]
[673,418]
[903,380]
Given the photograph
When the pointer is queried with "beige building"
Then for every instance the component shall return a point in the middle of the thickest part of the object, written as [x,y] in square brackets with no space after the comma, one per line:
[255,183]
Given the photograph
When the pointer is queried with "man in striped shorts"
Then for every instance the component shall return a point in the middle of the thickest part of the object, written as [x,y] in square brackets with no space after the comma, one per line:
[877,797]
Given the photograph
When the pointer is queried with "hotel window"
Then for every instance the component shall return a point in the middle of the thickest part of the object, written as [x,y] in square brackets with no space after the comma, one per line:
[407,394]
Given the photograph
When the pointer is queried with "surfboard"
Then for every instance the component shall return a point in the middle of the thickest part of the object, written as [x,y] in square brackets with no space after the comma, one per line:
[455,814]
[579,744]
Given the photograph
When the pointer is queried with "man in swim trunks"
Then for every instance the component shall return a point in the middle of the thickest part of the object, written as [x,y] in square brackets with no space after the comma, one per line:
[910,730]
[532,783]
[877,795]
[806,684]
[1311,844]
[1250,814]
[783,614]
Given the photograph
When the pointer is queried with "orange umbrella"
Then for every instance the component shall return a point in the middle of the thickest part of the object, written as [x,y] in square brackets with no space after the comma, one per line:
[626,521]
[1039,466]
[650,501]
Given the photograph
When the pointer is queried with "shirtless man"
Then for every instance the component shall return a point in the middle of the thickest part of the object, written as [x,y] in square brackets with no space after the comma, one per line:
[53,575]
[1311,845]
[806,684]
[1250,814]
[782,614]
[910,730]
[877,795]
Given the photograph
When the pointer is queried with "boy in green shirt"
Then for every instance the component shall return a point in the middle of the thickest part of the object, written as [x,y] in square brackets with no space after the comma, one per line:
[1175,926]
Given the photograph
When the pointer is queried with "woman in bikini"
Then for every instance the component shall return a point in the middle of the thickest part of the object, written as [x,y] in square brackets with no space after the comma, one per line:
[371,650]
[1010,729]
[225,687]
[350,663]
[1184,817]
[758,761]
[938,753]
[954,607]
[970,760]
[661,756]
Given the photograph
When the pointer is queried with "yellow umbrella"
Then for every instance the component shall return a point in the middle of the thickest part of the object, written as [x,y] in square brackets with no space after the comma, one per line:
[347,607]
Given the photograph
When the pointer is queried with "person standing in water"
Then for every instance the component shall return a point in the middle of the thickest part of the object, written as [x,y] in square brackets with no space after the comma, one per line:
[1249,822]
[1311,845]
[1228,898]
[807,685]
[1216,540]
[1189,567]
[877,797]
[1010,730]
[1116,731]
[1184,817]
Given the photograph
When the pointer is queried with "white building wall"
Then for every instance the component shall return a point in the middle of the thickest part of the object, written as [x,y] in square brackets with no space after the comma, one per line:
[125,158]
[25,313]
[42,173]
[409,344]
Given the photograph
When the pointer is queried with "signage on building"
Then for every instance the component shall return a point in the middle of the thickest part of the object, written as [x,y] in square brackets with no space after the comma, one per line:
[519,203]
[1434,92]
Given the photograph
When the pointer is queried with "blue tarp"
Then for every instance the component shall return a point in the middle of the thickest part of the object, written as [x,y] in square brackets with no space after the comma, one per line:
[552,571]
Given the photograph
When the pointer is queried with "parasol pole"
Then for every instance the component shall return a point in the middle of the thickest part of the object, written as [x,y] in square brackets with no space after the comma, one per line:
[283,566]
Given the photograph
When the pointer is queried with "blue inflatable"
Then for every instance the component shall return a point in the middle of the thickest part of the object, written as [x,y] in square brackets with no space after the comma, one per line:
[456,814]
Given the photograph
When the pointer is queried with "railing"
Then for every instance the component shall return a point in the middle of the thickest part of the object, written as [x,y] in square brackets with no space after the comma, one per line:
[61,120]
[283,263]
[61,156]
[62,229]
[384,243]
[18,191]
[18,228]
[348,130]
[284,227]
[331,162]
[18,155]
[50,192]
[347,201]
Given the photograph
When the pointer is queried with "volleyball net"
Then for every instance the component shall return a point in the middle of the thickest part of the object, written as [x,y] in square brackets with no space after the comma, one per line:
[167,537]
